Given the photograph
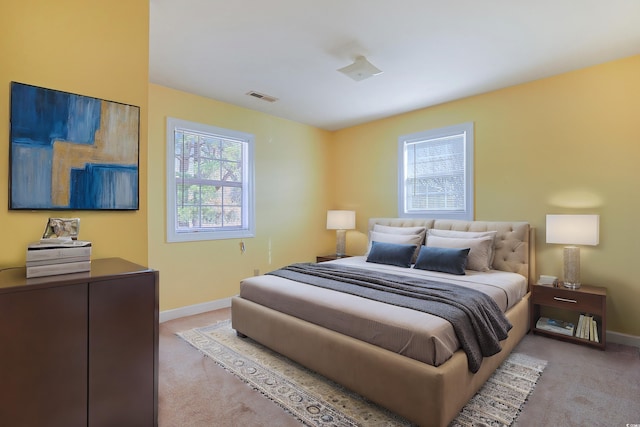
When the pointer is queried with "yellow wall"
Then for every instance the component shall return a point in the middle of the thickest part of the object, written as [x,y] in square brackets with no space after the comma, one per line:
[566,144]
[97,49]
[291,168]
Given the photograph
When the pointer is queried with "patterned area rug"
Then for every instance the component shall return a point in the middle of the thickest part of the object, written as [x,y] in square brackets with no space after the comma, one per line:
[316,401]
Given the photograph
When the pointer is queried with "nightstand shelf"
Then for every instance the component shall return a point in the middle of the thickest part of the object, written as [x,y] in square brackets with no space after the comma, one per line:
[332,257]
[587,299]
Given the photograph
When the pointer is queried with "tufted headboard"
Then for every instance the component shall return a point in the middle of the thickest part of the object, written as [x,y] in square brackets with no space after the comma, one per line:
[514,242]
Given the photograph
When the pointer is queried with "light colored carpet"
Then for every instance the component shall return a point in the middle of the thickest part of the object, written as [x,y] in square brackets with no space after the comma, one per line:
[316,401]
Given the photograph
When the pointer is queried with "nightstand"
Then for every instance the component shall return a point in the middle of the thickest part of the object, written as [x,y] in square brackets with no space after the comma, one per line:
[587,299]
[331,257]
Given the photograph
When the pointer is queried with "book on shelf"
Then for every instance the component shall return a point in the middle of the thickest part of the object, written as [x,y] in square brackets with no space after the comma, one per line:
[587,328]
[579,327]
[554,325]
[58,268]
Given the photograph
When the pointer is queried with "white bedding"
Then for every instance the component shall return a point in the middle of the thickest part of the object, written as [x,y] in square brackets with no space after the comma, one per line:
[414,334]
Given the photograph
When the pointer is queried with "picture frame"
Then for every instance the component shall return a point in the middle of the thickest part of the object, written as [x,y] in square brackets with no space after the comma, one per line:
[72,152]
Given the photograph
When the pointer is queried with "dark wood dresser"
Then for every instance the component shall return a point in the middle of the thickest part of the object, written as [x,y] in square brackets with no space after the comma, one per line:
[80,349]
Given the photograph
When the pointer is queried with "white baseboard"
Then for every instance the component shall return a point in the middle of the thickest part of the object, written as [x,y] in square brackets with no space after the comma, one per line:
[190,310]
[619,338]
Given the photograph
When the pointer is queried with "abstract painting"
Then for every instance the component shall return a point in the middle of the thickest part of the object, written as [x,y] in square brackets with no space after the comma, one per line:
[72,152]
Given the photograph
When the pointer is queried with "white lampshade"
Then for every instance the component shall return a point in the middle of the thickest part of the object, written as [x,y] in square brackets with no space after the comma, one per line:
[573,229]
[341,220]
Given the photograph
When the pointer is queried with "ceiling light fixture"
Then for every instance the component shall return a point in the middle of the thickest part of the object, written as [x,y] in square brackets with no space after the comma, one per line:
[361,69]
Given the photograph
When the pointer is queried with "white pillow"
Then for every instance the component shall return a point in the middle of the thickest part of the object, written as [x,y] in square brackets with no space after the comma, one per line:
[479,256]
[412,239]
[461,234]
[467,235]
[399,230]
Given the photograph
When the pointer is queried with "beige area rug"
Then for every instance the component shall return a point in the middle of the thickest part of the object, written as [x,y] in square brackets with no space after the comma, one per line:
[317,401]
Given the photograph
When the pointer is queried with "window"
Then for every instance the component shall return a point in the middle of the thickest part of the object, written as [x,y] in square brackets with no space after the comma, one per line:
[435,173]
[209,182]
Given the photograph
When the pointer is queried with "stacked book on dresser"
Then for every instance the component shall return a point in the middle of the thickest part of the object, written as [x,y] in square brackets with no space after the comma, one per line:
[50,257]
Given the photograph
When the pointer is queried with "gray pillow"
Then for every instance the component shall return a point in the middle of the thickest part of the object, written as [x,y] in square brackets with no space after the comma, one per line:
[409,239]
[444,260]
[479,256]
[398,254]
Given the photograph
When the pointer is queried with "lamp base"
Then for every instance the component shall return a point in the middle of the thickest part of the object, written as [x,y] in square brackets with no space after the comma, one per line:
[571,285]
[571,267]
[340,242]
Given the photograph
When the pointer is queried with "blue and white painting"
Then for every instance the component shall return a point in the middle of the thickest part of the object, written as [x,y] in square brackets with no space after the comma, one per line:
[71,151]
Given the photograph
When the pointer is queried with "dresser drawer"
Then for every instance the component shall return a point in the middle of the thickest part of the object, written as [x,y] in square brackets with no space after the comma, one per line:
[567,299]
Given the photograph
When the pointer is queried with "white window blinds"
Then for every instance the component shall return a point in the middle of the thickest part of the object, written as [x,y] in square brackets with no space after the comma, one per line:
[436,173]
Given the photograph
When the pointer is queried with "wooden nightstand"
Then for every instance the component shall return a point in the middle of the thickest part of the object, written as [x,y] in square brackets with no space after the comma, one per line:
[587,299]
[331,257]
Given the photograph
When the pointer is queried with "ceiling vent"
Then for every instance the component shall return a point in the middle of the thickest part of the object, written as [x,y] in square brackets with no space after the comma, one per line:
[361,69]
[262,96]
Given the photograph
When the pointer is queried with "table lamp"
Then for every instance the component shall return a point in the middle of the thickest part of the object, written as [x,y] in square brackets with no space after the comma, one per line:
[341,221]
[573,230]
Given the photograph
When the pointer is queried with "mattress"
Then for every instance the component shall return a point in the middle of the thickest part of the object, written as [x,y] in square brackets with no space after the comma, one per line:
[411,333]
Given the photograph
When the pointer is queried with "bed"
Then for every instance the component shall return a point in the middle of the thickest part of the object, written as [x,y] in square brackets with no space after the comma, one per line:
[421,374]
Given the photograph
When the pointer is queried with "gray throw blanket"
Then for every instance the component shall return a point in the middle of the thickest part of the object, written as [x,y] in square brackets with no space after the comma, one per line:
[477,320]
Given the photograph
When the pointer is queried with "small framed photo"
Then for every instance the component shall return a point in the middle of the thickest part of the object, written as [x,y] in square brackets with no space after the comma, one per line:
[62,227]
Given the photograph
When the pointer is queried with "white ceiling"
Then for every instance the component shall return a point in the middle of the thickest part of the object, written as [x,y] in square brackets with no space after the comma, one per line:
[431,51]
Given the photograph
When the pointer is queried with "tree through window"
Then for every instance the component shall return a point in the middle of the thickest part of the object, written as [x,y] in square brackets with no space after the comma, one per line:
[211,176]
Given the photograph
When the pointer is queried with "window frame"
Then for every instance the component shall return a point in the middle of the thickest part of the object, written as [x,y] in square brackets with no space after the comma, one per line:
[248,185]
[465,129]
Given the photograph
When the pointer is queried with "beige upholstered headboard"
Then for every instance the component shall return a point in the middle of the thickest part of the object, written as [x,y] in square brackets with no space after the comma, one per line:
[514,242]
